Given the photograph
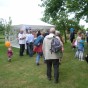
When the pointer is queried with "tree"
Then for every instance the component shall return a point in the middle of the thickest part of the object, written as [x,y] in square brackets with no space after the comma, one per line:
[5,27]
[56,12]
[2,26]
[8,28]
[79,7]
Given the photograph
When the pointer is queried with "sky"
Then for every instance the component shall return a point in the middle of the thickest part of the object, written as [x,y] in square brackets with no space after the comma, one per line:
[23,10]
[20,10]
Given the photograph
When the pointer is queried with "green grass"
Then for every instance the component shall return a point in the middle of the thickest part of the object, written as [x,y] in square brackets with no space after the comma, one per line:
[22,72]
[2,38]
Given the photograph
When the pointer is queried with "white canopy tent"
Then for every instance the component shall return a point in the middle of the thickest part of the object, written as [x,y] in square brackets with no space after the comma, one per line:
[33,25]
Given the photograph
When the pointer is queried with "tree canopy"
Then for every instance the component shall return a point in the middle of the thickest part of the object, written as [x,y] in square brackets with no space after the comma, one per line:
[57,12]
[54,7]
[79,7]
[5,27]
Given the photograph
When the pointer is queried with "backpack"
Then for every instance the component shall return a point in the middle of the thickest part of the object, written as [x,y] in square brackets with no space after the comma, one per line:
[38,41]
[55,45]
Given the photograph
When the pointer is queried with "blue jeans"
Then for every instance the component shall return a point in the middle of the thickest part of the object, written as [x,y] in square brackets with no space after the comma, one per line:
[30,49]
[38,57]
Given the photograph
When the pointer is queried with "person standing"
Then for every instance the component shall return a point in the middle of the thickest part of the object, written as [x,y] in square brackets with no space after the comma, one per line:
[21,38]
[72,34]
[81,48]
[30,41]
[27,42]
[38,47]
[10,53]
[79,35]
[51,58]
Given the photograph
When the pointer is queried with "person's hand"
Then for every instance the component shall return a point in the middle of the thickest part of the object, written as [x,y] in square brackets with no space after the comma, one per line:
[62,49]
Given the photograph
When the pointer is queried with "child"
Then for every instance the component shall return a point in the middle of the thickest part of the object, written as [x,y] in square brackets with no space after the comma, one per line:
[81,48]
[10,53]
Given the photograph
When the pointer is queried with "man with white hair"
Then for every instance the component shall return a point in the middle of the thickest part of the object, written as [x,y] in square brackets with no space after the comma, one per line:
[51,58]
[21,38]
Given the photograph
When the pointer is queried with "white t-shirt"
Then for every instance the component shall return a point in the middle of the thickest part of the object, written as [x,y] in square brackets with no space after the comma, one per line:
[21,38]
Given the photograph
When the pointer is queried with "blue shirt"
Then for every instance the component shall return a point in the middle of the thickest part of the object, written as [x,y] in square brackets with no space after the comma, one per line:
[81,45]
[30,38]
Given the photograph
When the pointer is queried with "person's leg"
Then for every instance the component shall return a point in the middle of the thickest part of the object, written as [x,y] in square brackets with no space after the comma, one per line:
[81,52]
[56,69]
[21,50]
[27,48]
[80,55]
[77,54]
[37,58]
[49,68]
[9,58]
[31,49]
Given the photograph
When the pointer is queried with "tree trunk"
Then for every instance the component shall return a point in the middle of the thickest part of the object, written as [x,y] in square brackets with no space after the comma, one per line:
[65,36]
[64,27]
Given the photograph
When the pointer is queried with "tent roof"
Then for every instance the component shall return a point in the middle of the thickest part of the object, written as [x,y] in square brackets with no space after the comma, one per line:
[33,25]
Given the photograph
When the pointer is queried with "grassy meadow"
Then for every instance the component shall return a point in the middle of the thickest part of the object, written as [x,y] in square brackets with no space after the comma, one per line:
[22,72]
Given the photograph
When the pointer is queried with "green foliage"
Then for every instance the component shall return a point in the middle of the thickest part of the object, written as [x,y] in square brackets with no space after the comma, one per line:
[5,27]
[54,7]
[8,26]
[56,12]
[2,26]
[79,7]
